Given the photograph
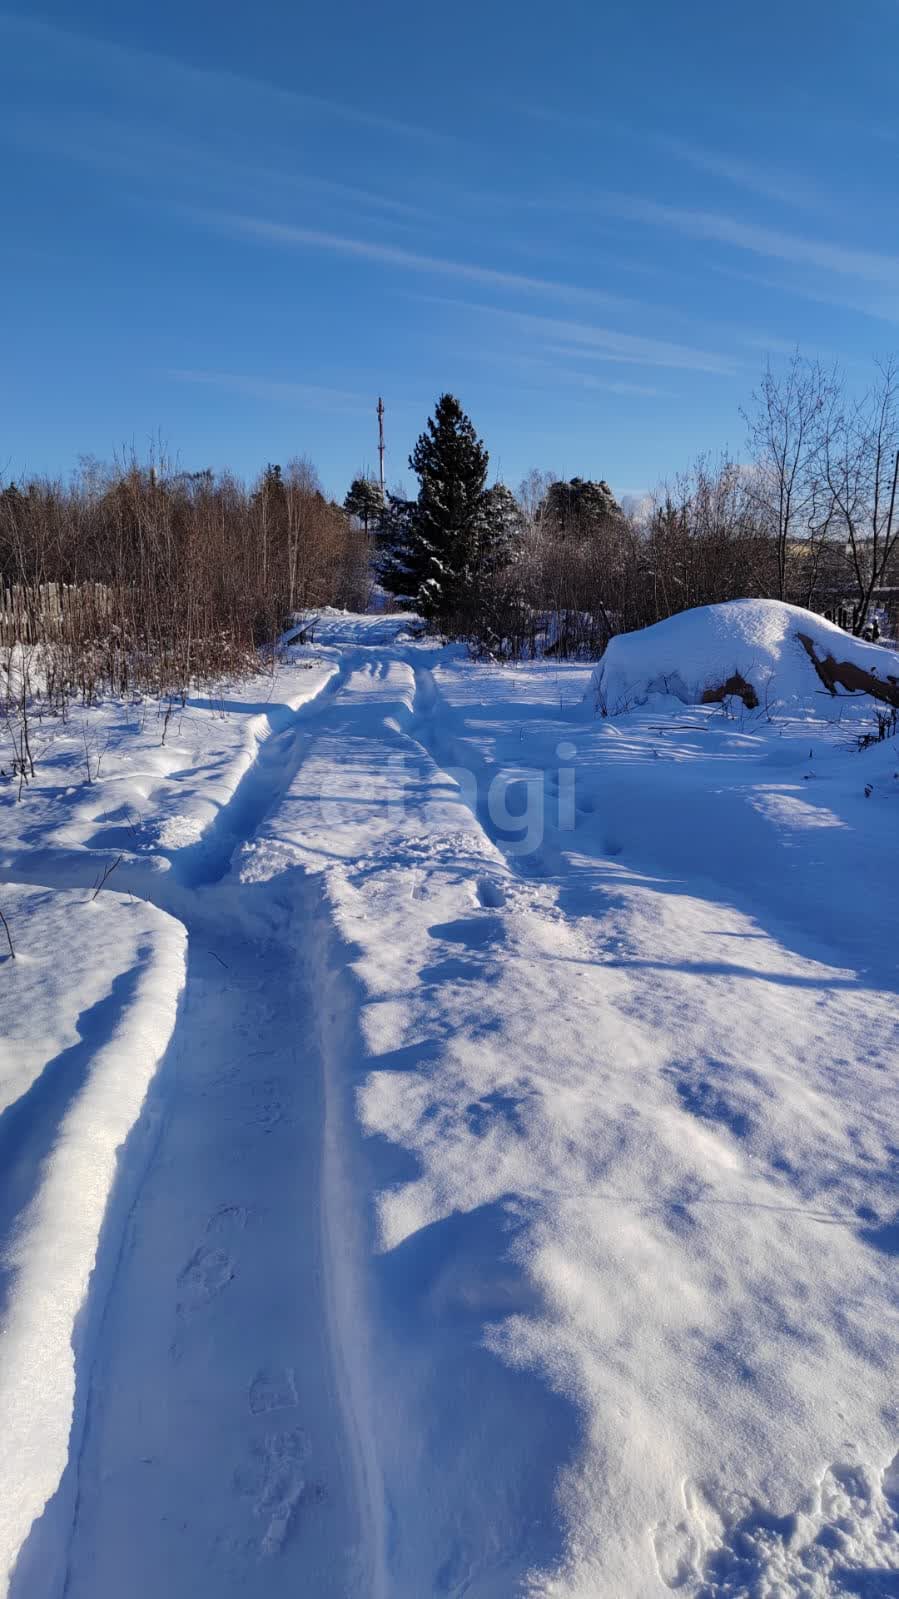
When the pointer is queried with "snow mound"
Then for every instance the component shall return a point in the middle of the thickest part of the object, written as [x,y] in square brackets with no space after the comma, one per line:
[764,651]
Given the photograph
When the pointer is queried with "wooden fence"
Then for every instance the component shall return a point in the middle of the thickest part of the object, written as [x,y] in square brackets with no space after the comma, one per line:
[32,612]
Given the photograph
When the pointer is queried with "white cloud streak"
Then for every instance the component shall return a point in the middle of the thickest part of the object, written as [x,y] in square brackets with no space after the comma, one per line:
[107,144]
[791,191]
[868,265]
[772,185]
[393,255]
[881,309]
[308,395]
[149,68]
[504,363]
[605,344]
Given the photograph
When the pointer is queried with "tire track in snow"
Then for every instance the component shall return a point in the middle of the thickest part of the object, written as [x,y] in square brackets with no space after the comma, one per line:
[211,1452]
[278,1482]
[423,730]
[269,774]
[453,1529]
[339,1217]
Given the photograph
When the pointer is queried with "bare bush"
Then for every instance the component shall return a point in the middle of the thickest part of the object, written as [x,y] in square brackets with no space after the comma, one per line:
[584,571]
[143,579]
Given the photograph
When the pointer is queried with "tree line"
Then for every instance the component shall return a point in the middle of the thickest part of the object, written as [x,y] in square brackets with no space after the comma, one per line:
[139,577]
[160,578]
[808,516]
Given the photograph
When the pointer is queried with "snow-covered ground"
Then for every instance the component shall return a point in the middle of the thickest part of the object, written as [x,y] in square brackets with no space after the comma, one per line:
[506,1198]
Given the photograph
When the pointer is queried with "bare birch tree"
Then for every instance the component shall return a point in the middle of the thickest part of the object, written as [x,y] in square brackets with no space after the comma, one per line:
[860,453]
[785,425]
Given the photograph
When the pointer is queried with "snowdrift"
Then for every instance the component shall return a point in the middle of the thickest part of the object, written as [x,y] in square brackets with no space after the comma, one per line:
[89,1007]
[766,653]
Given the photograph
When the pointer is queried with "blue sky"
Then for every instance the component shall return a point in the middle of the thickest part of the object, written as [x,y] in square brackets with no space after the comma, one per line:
[234,226]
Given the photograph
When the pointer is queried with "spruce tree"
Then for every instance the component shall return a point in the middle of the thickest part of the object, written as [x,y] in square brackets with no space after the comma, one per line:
[398,566]
[450,462]
[365,501]
[500,530]
[271,494]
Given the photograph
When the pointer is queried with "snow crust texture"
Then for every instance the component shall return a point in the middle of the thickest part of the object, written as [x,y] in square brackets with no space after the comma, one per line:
[513,1209]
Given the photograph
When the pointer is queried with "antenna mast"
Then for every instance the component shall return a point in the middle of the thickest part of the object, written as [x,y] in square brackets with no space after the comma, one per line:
[381,441]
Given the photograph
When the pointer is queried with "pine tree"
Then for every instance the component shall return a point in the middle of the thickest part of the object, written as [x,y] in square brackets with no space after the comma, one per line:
[578,508]
[450,462]
[500,530]
[365,501]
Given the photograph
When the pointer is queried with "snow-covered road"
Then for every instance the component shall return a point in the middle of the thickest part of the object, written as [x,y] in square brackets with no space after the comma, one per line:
[513,1209]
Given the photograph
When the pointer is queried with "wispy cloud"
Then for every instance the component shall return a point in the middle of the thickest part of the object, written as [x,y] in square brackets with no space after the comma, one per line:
[864,302]
[771,185]
[108,144]
[506,363]
[585,380]
[149,68]
[309,395]
[579,121]
[605,344]
[787,189]
[868,265]
[588,380]
[393,255]
[768,343]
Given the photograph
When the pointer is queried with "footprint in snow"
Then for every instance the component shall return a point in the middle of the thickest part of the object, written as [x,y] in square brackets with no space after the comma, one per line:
[210,1268]
[272,1388]
[275,1480]
[470,931]
[228,1218]
[267,1102]
[490,894]
[207,1272]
